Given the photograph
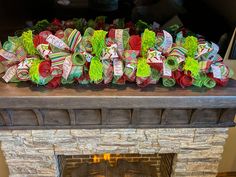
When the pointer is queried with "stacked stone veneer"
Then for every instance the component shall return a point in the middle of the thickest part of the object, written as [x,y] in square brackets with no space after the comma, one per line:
[32,153]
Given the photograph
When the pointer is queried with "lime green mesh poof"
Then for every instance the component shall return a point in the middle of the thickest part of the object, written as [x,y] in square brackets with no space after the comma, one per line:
[34,71]
[148,41]
[192,65]
[27,40]
[98,42]
[191,44]
[143,69]
[95,71]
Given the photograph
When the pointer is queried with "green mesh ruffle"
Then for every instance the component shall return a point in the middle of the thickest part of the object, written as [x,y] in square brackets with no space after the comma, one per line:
[191,44]
[148,41]
[98,42]
[192,65]
[143,69]
[27,41]
[96,70]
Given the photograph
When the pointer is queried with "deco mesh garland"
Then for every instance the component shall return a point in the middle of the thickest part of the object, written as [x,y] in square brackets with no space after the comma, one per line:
[82,52]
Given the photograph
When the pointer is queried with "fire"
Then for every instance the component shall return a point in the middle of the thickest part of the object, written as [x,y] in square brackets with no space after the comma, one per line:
[98,158]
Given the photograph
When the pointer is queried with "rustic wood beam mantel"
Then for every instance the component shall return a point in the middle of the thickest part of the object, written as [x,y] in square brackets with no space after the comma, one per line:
[25,106]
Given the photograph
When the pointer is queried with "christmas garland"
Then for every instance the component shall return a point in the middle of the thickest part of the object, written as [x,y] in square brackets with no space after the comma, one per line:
[83,52]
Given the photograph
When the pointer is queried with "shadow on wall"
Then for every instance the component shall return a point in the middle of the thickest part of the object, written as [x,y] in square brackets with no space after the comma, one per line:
[3,166]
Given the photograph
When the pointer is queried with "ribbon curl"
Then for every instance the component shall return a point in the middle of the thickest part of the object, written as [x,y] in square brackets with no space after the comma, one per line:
[168,82]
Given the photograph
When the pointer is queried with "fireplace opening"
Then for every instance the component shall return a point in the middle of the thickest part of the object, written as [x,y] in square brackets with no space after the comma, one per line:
[115,165]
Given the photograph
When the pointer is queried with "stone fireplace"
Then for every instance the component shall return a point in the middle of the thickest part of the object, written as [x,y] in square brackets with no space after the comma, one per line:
[35,152]
[46,132]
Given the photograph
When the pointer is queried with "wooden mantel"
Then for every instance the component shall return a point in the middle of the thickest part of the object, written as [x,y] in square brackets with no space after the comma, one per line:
[25,106]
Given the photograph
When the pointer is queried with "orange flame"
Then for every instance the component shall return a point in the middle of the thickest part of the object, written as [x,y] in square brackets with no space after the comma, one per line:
[98,158]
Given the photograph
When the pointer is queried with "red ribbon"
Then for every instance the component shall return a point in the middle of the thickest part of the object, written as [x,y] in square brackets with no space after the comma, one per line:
[177,75]
[45,68]
[56,22]
[54,83]
[156,66]
[45,34]
[220,82]
[135,42]
[39,40]
[111,33]
[143,82]
[184,80]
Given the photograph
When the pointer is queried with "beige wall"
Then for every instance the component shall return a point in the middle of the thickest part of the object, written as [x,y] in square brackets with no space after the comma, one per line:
[3,166]
[228,162]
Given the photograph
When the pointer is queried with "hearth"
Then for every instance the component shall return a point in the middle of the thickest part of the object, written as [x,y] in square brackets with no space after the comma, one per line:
[117,165]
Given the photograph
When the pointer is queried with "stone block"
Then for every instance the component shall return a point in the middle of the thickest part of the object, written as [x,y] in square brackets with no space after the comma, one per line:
[120,131]
[202,166]
[43,133]
[85,133]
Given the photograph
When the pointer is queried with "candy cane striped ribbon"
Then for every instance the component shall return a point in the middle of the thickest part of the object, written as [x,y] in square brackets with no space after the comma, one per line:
[57,60]
[74,39]
[179,52]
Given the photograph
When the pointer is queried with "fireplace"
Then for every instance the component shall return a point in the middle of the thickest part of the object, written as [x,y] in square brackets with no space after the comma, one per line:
[46,133]
[155,165]
[197,151]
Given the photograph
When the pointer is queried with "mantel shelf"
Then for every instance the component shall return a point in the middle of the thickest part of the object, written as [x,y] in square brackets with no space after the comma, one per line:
[24,95]
[26,106]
